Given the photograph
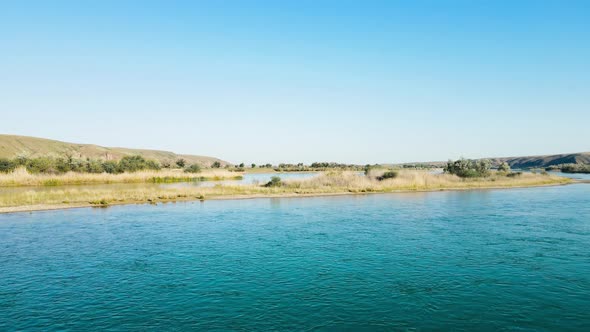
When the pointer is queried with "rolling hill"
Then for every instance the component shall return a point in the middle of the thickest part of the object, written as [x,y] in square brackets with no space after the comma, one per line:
[545,161]
[527,161]
[12,146]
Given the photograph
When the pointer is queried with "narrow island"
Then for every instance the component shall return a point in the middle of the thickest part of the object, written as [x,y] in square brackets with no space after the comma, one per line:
[44,183]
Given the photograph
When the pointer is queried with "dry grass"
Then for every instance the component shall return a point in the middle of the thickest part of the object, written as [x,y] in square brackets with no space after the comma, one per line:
[418,180]
[20,177]
[326,183]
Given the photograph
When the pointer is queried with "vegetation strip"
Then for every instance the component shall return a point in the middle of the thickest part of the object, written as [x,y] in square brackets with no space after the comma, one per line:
[331,182]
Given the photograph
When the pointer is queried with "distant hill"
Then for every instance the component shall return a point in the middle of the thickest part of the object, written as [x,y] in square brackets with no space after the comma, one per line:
[545,161]
[528,161]
[12,146]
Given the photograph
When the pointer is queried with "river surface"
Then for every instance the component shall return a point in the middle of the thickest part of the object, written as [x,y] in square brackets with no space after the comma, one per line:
[486,260]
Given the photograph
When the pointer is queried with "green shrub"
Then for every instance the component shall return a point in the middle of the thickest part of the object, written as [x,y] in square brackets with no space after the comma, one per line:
[504,167]
[42,165]
[94,166]
[111,167]
[275,181]
[21,160]
[181,163]
[468,168]
[387,175]
[194,168]
[152,164]
[514,174]
[575,168]
[63,165]
[216,164]
[137,163]
[7,165]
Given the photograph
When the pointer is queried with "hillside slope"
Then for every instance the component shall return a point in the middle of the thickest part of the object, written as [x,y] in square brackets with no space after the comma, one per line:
[545,161]
[12,146]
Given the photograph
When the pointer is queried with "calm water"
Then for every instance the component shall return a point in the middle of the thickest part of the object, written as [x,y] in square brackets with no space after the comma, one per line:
[256,178]
[516,260]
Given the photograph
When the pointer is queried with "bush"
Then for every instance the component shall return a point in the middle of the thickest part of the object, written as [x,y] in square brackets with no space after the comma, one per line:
[387,175]
[7,165]
[468,168]
[42,165]
[63,165]
[136,163]
[166,164]
[194,168]
[504,167]
[48,165]
[94,166]
[216,164]
[275,181]
[575,168]
[111,167]
[514,174]
[153,165]
[181,163]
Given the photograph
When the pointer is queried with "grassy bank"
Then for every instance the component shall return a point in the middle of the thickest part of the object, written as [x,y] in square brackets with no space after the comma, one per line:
[328,183]
[21,177]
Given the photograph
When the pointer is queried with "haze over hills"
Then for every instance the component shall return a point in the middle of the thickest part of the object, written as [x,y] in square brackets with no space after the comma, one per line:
[530,161]
[12,146]
[545,161]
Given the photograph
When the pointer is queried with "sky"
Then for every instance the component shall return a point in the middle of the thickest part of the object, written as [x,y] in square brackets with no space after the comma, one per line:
[301,81]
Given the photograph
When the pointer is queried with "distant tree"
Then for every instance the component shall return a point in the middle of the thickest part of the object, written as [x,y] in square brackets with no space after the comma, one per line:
[152,164]
[504,167]
[387,175]
[268,166]
[136,163]
[22,159]
[216,164]
[194,168]
[7,165]
[468,168]
[111,166]
[483,167]
[181,163]
[275,181]
[94,166]
[241,165]
[253,165]
[42,165]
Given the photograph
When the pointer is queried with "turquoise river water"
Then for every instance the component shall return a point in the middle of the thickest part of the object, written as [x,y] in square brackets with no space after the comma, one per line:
[486,260]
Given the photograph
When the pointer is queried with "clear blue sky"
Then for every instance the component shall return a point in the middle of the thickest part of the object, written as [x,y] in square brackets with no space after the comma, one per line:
[289,81]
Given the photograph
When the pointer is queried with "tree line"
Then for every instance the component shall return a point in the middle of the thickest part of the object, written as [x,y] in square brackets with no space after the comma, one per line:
[51,165]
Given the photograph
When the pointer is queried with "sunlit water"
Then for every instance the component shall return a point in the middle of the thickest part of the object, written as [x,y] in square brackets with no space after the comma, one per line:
[516,260]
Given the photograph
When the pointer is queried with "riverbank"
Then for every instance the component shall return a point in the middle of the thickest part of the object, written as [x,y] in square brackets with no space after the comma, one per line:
[331,183]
